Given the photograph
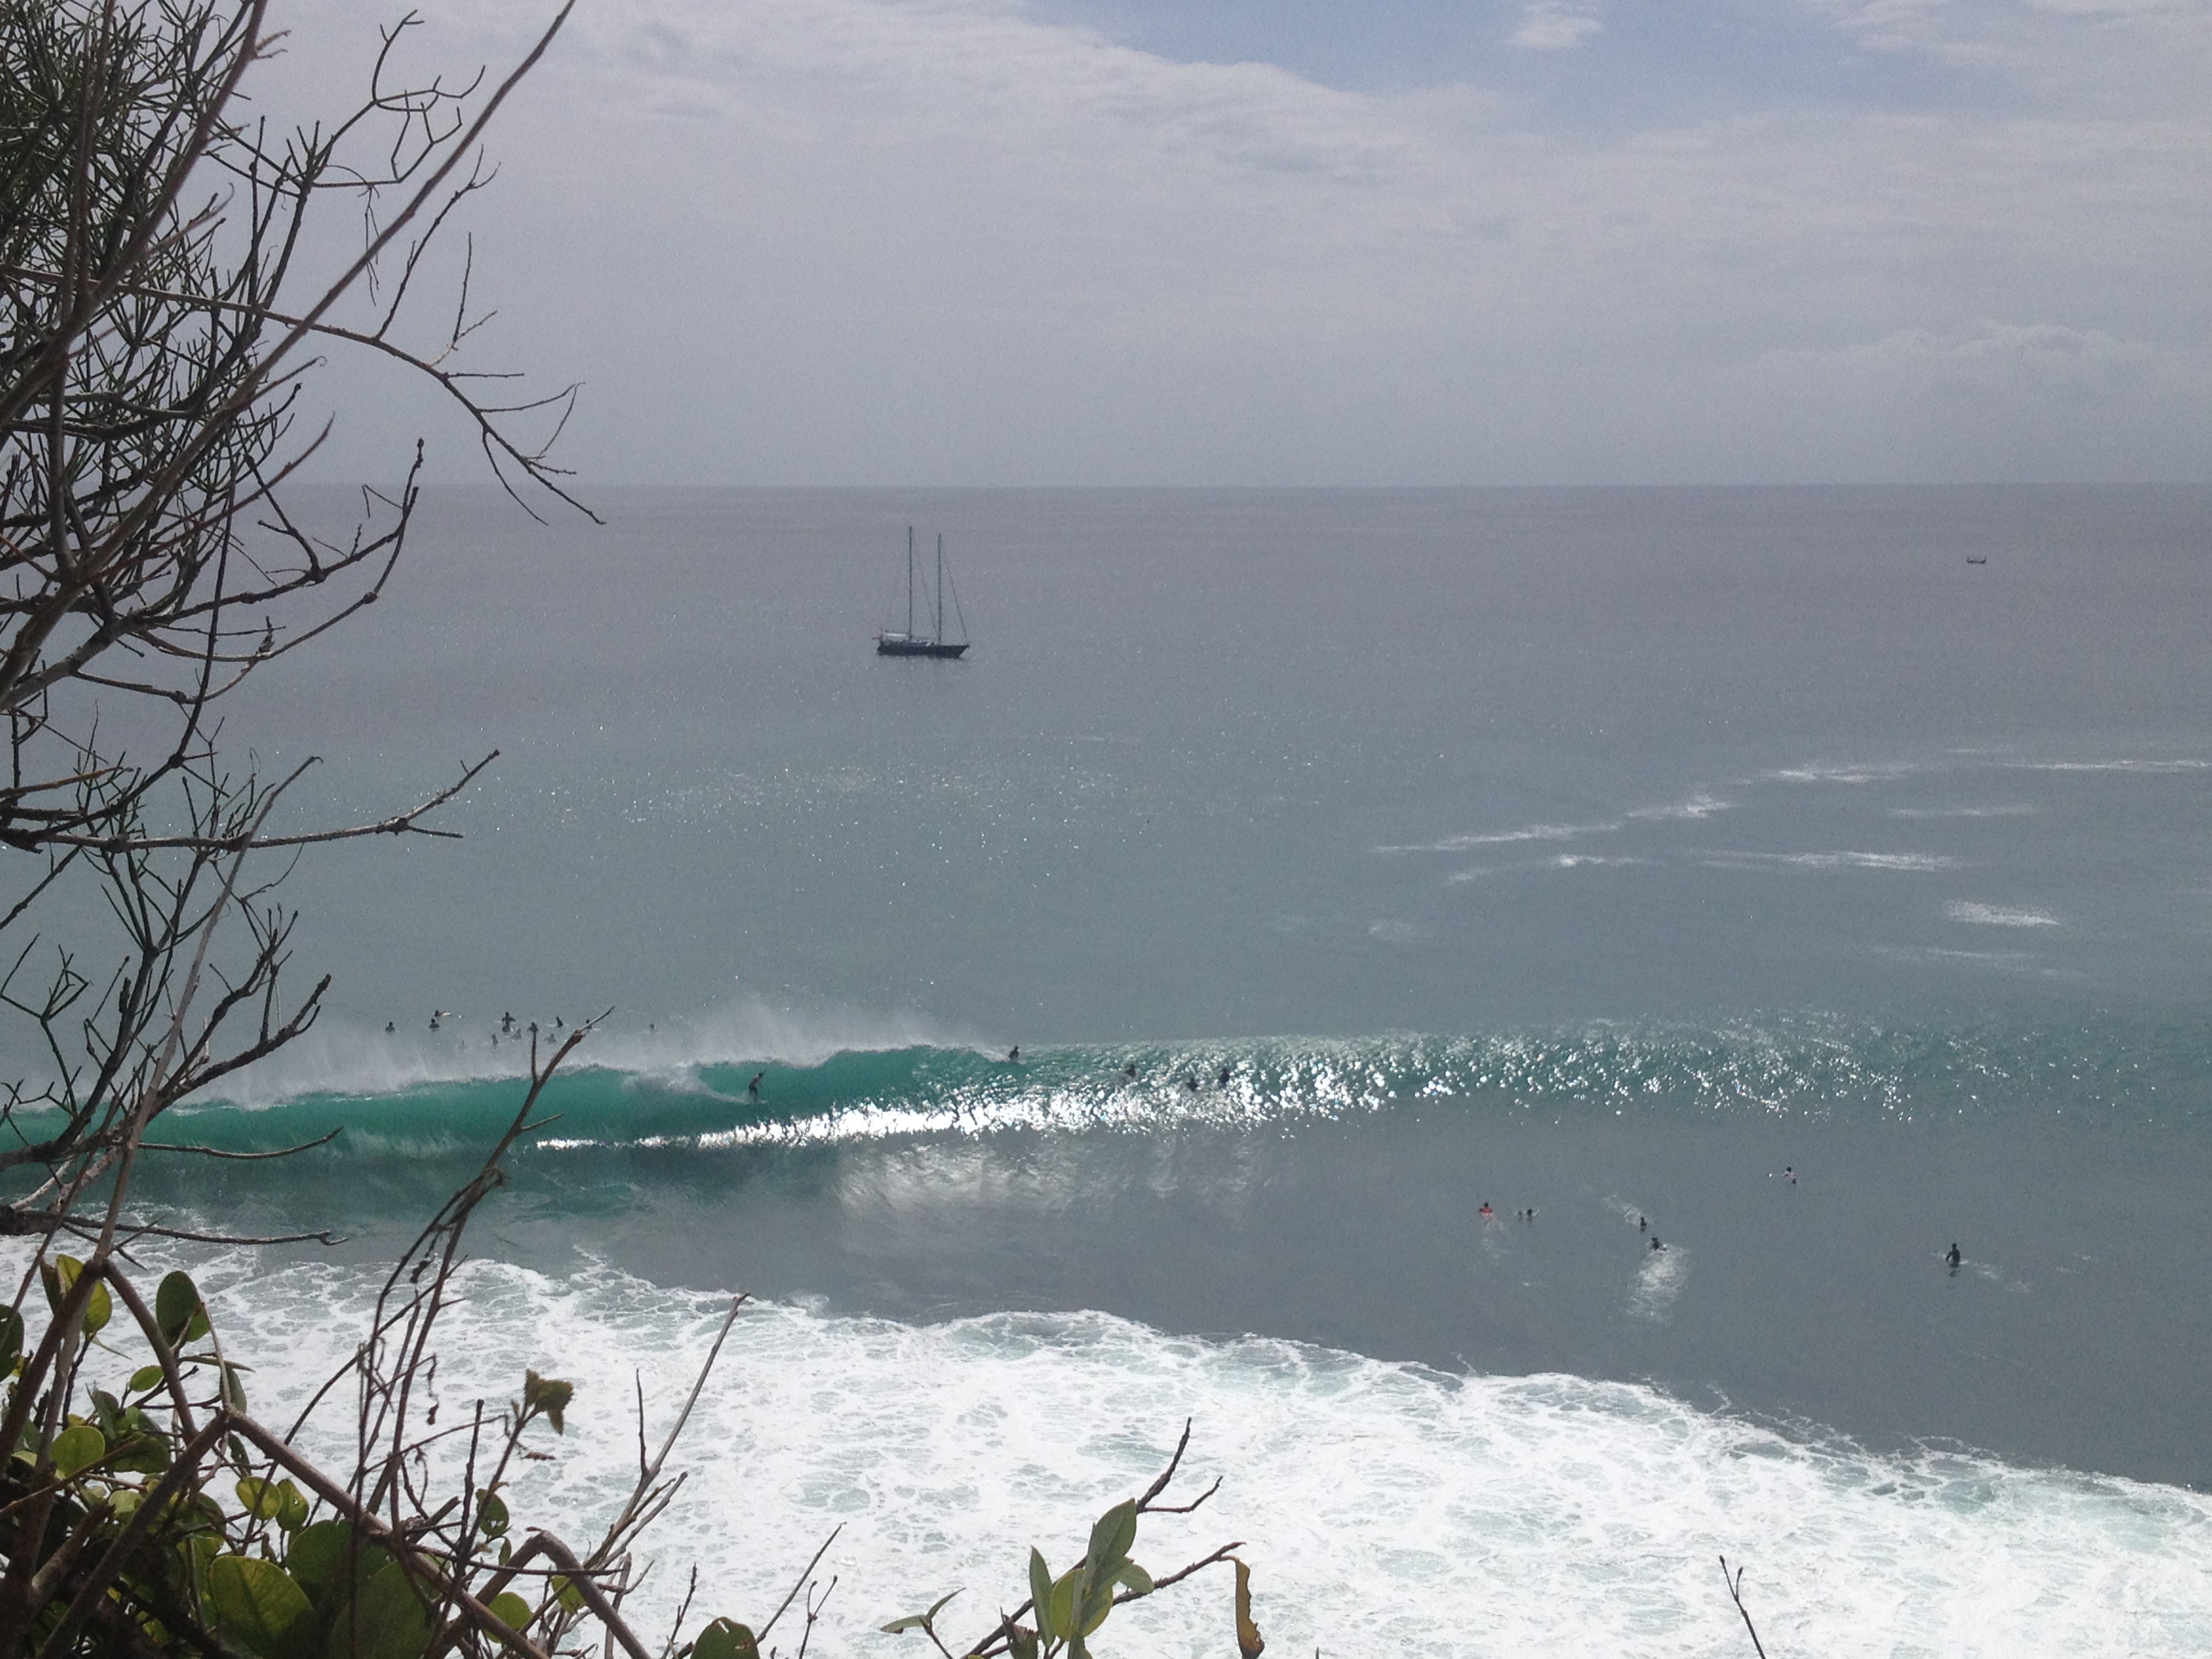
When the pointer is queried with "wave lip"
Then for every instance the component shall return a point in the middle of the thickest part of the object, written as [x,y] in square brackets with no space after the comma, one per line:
[1780,1066]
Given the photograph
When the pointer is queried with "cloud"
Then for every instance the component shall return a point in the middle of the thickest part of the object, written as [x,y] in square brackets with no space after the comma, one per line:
[951,240]
[1991,356]
[1555,28]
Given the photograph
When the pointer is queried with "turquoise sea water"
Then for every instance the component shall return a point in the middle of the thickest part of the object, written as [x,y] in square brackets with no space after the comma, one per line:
[1743,863]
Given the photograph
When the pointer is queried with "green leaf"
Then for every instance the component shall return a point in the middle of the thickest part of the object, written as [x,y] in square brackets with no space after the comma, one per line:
[546,1397]
[510,1609]
[1040,1590]
[146,1379]
[570,1597]
[387,1621]
[178,1311]
[293,1514]
[234,1391]
[315,1555]
[920,1620]
[1023,1643]
[260,1497]
[1110,1541]
[11,1340]
[1139,1581]
[1061,1621]
[258,1605]
[59,1276]
[141,1450]
[726,1639]
[78,1448]
[1096,1605]
[491,1515]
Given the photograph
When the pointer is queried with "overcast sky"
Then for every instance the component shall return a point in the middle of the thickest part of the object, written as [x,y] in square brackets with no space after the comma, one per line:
[1288,241]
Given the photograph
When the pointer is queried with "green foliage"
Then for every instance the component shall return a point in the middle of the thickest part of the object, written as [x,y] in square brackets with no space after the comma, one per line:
[547,1397]
[725,1638]
[76,1448]
[178,1311]
[274,1500]
[258,1606]
[388,1619]
[1070,1609]
[316,1555]
[926,1622]
[59,1276]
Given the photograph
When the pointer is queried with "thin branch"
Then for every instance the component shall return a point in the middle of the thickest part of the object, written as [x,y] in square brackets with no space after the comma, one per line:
[1734,1583]
[243,1157]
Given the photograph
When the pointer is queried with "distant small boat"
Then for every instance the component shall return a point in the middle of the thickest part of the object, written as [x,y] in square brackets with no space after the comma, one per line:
[910,642]
[1977,558]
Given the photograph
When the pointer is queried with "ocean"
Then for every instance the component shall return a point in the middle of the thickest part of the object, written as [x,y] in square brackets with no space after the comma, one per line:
[1811,879]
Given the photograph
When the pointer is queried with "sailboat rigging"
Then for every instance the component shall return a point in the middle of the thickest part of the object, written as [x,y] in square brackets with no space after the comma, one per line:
[911,643]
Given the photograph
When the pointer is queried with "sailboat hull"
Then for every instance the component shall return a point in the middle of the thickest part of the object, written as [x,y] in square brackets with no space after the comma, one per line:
[889,645]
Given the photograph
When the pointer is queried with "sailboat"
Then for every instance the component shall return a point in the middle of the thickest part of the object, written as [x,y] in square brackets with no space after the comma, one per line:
[891,642]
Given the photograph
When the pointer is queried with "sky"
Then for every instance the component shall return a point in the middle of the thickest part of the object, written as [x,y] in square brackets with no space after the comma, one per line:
[1232,242]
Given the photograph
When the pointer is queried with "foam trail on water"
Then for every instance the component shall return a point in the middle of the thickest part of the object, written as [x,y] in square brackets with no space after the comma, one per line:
[1385,1508]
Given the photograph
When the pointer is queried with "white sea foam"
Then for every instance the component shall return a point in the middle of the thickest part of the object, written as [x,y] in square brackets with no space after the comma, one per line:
[1506,837]
[1659,1284]
[1696,806]
[1821,772]
[1384,1509]
[2014,809]
[1913,863]
[1998,915]
[2153,768]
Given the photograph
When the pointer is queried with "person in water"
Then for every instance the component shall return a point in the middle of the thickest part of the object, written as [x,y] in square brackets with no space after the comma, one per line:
[1222,1081]
[1641,1226]
[1951,1258]
[1130,1070]
[1014,1054]
[1486,1212]
[752,1089]
[1656,1244]
[389,1028]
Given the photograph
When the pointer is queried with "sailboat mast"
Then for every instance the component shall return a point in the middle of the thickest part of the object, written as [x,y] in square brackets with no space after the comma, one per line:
[909,581]
[940,588]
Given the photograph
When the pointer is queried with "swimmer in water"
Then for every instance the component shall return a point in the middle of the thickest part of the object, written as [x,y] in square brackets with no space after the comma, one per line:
[1486,1212]
[1130,1070]
[1951,1258]
[752,1089]
[1014,1054]
[1656,1244]
[1222,1081]
[389,1028]
[1641,1226]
